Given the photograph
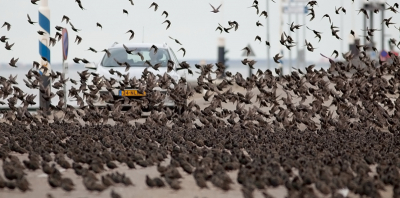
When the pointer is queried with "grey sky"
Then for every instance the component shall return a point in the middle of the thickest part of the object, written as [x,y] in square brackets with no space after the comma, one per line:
[192,24]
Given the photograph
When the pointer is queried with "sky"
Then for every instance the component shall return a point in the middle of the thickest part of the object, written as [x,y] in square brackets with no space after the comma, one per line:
[192,24]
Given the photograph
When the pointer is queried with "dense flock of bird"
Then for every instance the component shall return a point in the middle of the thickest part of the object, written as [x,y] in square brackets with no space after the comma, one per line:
[316,132]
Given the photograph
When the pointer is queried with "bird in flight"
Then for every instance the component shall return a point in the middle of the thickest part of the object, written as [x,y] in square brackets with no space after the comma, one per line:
[29,20]
[215,10]
[169,23]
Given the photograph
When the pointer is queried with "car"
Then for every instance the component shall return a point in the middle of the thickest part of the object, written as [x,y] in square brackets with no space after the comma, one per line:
[137,56]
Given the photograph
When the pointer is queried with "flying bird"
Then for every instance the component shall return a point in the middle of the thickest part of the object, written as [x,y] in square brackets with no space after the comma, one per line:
[364,12]
[124,11]
[73,28]
[277,57]
[166,14]
[34,1]
[3,39]
[65,18]
[155,49]
[258,38]
[8,46]
[176,40]
[78,39]
[131,2]
[169,23]
[247,50]
[327,15]
[80,4]
[40,32]
[99,25]
[265,13]
[107,52]
[29,20]
[155,6]
[8,25]
[184,51]
[93,50]
[132,34]
[13,62]
[336,53]
[215,10]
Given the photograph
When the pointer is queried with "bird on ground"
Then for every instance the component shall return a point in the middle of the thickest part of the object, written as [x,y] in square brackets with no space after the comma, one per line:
[215,10]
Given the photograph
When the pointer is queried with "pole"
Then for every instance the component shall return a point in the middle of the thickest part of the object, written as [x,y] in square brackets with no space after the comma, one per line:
[268,48]
[383,26]
[342,27]
[44,50]
[304,35]
[290,51]
[281,31]
[297,39]
[65,84]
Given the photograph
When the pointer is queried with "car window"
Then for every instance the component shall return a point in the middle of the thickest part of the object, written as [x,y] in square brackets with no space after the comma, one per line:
[119,54]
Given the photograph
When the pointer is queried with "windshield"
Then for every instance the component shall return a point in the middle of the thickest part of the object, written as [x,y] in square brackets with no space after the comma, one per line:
[134,60]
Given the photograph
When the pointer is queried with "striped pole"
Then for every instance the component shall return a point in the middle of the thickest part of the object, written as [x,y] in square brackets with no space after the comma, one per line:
[44,50]
[44,23]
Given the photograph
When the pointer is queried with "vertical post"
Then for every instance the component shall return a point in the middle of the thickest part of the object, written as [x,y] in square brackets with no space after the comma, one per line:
[289,33]
[281,32]
[221,51]
[297,38]
[44,50]
[268,48]
[383,26]
[342,27]
[304,34]
[365,26]
[371,24]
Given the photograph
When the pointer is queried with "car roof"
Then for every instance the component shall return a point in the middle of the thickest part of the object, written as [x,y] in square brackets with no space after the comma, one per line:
[139,45]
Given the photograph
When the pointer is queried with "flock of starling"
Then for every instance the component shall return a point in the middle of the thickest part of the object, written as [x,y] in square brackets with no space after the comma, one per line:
[317,132]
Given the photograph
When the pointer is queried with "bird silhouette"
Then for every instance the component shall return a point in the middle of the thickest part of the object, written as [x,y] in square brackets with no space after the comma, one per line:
[215,10]
[29,20]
